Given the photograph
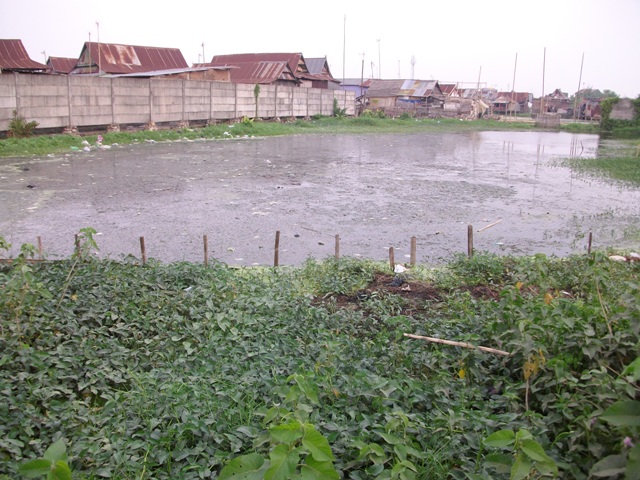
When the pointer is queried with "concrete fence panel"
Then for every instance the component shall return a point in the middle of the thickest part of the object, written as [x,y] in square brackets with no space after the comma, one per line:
[59,101]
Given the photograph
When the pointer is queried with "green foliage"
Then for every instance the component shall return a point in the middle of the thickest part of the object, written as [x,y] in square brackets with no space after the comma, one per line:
[405,116]
[19,127]
[256,96]
[608,124]
[528,459]
[53,464]
[247,121]
[295,448]
[186,371]
[337,111]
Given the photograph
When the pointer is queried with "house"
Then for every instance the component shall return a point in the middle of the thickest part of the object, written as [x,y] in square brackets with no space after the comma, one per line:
[60,65]
[401,94]
[554,102]
[522,102]
[357,85]
[278,69]
[450,90]
[116,59]
[14,58]
[319,75]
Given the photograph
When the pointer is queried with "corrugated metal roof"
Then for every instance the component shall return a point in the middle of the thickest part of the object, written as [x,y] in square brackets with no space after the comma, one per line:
[198,67]
[403,88]
[61,64]
[261,72]
[13,56]
[295,61]
[114,58]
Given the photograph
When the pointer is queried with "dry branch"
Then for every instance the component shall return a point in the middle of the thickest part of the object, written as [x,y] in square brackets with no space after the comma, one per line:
[458,344]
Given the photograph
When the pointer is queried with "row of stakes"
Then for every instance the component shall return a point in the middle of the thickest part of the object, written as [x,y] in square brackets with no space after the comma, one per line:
[276,253]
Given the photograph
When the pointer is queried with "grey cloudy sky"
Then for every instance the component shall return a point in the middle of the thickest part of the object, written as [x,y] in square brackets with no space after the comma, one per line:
[457,41]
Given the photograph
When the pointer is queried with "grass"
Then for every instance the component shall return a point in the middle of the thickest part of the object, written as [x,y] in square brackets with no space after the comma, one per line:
[49,144]
[173,370]
[619,161]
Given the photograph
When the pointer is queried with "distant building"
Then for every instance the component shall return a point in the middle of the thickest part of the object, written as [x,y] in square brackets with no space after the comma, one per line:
[383,94]
[319,74]
[277,69]
[14,58]
[116,59]
[61,65]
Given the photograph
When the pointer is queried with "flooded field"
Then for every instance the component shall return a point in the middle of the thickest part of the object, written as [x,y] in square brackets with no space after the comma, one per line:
[375,191]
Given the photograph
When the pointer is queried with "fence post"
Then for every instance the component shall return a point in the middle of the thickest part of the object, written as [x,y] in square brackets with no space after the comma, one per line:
[205,240]
[276,253]
[392,259]
[412,259]
[337,246]
[470,240]
[143,251]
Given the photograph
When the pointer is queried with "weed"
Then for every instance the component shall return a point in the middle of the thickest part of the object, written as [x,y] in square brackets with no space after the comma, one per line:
[19,127]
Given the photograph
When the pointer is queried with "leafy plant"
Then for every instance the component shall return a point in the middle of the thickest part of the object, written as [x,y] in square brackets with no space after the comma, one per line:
[527,460]
[19,127]
[256,96]
[297,448]
[337,111]
[53,464]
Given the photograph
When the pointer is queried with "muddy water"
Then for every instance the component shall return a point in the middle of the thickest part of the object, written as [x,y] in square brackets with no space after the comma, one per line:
[375,191]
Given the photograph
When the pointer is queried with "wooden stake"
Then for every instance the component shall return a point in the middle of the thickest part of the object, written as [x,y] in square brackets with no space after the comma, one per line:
[276,254]
[392,260]
[143,250]
[470,241]
[39,247]
[590,241]
[489,226]
[77,243]
[337,246]
[412,259]
[205,240]
[458,344]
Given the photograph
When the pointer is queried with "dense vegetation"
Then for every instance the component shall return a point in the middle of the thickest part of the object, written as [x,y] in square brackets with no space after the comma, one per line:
[179,370]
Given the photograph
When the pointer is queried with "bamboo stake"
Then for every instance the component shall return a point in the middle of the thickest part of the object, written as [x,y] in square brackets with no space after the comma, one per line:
[39,247]
[143,251]
[590,242]
[412,259]
[459,344]
[205,240]
[337,246]
[276,253]
[490,225]
[77,244]
[470,241]
[392,260]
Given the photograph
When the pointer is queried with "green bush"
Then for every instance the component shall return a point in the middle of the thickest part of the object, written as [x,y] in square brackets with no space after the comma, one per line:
[19,127]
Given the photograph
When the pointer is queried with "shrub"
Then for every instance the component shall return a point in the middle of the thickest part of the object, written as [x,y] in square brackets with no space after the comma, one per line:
[19,127]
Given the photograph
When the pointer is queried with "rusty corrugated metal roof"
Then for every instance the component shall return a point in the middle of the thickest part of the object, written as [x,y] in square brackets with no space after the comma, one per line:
[319,70]
[112,58]
[264,72]
[403,88]
[62,65]
[295,61]
[13,56]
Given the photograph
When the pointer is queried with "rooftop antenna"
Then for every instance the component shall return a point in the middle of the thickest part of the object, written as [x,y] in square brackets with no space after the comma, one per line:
[45,56]
[399,69]
[203,57]
[413,67]
[372,65]
[544,61]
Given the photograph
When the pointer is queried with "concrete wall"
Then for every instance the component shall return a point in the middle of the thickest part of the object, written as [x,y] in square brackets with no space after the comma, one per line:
[58,101]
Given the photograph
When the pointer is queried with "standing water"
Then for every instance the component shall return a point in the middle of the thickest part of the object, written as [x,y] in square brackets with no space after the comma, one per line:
[374,191]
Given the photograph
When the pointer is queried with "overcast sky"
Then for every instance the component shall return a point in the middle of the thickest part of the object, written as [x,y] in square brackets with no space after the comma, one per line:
[459,41]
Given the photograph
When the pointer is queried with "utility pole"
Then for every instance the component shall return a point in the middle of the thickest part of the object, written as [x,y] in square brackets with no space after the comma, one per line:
[379,62]
[99,53]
